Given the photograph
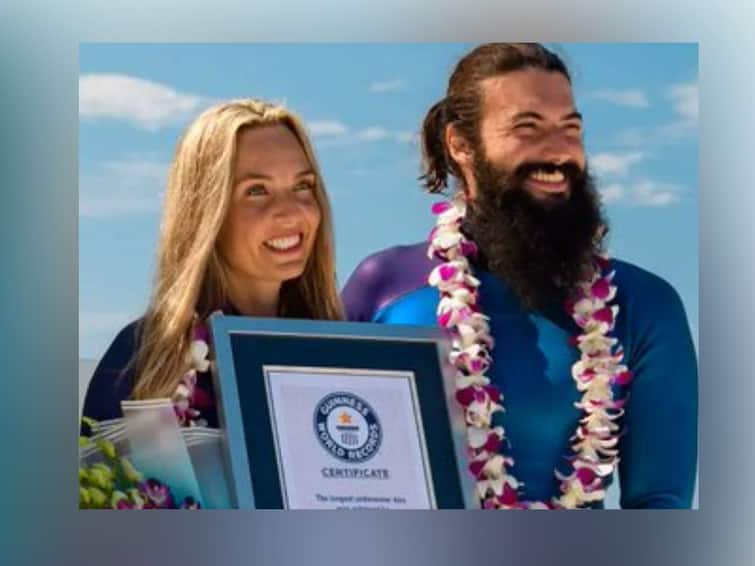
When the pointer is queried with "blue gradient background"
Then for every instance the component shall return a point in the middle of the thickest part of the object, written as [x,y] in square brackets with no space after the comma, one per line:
[39,104]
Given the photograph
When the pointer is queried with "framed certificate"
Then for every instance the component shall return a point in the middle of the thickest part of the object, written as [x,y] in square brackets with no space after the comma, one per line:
[338,415]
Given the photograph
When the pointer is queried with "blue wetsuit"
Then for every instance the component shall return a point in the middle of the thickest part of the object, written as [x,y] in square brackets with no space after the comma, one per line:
[532,362]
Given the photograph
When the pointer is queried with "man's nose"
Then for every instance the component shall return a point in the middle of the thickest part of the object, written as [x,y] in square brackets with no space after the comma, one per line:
[558,149]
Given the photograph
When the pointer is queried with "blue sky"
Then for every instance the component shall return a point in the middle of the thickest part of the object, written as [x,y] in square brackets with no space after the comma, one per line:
[363,104]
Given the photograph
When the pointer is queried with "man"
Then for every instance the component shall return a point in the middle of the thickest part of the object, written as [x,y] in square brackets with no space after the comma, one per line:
[587,387]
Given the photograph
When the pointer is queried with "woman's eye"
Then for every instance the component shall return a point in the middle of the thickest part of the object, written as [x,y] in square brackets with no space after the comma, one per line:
[255,190]
[306,186]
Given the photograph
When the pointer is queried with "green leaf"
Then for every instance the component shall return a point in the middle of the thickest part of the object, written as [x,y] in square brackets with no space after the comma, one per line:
[98,498]
[102,477]
[116,497]
[104,470]
[129,472]
[84,498]
[107,448]
[91,423]
[136,497]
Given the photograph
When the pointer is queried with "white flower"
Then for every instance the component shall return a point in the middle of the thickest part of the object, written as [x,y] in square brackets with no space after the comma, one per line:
[446,239]
[477,437]
[182,391]
[464,381]
[474,330]
[198,355]
[595,342]
[458,267]
[585,307]
[463,296]
[479,414]
[484,487]
[453,214]
[599,381]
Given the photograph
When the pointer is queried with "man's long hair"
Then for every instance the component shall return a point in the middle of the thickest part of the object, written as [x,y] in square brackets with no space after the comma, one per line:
[462,105]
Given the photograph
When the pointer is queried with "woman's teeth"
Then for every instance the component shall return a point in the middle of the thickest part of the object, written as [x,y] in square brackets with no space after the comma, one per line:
[283,244]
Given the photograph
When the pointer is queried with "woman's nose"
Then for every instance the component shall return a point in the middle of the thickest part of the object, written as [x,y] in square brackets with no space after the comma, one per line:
[286,210]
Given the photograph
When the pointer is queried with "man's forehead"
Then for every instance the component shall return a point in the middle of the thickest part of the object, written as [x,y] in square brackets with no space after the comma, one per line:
[530,90]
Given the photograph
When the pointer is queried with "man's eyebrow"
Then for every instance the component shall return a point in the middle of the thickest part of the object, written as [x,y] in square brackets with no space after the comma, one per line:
[572,116]
[528,114]
[537,116]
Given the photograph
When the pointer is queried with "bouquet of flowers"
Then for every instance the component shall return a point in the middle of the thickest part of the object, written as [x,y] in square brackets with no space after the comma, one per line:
[110,481]
[146,461]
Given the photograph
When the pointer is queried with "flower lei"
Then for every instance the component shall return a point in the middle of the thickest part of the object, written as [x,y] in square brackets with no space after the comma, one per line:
[186,397]
[594,443]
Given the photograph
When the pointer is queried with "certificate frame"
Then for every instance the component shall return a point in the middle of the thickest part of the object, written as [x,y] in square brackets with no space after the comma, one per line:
[250,347]
[269,371]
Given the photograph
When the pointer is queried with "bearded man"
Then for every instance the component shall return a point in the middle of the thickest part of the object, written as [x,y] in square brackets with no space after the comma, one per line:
[591,357]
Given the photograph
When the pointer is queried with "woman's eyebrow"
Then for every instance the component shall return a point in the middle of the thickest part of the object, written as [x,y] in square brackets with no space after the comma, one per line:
[254,176]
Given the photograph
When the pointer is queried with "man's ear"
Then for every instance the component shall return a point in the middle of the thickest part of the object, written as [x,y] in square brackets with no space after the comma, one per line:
[459,149]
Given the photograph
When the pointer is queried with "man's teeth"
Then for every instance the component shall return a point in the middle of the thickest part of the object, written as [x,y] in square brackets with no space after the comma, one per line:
[284,243]
[555,177]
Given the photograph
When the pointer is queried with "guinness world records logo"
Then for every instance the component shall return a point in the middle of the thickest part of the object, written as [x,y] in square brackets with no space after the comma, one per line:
[347,427]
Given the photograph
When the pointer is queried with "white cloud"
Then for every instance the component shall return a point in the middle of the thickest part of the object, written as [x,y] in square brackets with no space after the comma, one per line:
[142,169]
[121,188]
[611,193]
[643,193]
[406,136]
[393,85]
[339,133]
[633,98]
[659,135]
[327,128]
[650,193]
[685,100]
[607,163]
[374,133]
[145,104]
[379,133]
[633,137]
[678,130]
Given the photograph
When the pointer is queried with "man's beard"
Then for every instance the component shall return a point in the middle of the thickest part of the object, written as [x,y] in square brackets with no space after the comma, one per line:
[541,248]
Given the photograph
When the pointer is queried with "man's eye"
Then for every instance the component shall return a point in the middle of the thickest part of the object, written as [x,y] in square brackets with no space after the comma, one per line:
[255,190]
[526,126]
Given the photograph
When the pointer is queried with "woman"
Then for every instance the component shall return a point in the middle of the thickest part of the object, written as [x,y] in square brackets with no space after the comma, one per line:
[247,230]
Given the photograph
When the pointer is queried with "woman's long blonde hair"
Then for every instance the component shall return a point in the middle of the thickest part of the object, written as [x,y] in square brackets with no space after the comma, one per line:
[191,278]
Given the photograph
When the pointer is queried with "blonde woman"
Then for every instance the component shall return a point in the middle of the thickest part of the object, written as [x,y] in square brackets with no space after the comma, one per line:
[247,230]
